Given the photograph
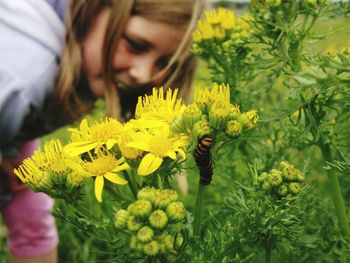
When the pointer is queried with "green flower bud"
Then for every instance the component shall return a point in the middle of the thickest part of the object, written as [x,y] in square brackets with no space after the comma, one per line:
[177,125]
[134,243]
[197,50]
[290,173]
[284,164]
[277,2]
[294,188]
[140,208]
[179,240]
[266,186]
[161,199]
[248,119]
[145,234]
[158,219]
[146,193]
[269,3]
[282,190]
[275,178]
[176,211]
[263,177]
[134,224]
[201,128]
[300,177]
[173,196]
[191,115]
[151,248]
[234,112]
[121,218]
[233,128]
[228,44]
[235,36]
[168,241]
[218,115]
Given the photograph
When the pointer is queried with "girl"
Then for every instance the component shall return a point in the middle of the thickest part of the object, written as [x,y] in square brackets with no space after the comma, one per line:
[51,73]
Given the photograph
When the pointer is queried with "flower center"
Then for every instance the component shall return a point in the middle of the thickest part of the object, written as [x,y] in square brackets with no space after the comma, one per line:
[101,165]
[107,130]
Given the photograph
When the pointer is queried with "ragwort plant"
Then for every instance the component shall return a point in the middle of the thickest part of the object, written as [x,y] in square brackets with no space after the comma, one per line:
[313,116]
[133,163]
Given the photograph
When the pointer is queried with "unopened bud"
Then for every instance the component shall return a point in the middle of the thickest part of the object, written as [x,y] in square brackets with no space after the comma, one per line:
[145,234]
[176,211]
[121,218]
[151,248]
[158,219]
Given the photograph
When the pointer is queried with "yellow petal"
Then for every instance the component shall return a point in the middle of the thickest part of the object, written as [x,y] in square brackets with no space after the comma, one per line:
[114,178]
[75,166]
[182,153]
[77,148]
[139,145]
[149,164]
[124,166]
[84,126]
[99,182]
[110,143]
[171,154]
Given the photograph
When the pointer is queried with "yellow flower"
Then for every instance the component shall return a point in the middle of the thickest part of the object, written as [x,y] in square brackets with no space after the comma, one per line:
[227,19]
[128,132]
[87,138]
[201,97]
[49,170]
[206,29]
[212,17]
[105,166]
[218,114]
[159,144]
[219,33]
[220,93]
[249,119]
[159,106]
[197,36]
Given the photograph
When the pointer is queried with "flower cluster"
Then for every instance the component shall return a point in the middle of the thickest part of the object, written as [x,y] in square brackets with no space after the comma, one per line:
[212,113]
[264,6]
[106,149]
[220,29]
[154,221]
[51,171]
[284,181]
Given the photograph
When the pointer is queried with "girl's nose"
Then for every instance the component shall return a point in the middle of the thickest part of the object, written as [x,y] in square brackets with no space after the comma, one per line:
[142,71]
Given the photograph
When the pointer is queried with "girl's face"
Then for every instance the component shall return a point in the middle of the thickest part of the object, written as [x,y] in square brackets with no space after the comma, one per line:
[141,54]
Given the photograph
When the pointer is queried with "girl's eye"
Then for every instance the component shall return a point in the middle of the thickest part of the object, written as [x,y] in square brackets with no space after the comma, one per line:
[162,62]
[135,46]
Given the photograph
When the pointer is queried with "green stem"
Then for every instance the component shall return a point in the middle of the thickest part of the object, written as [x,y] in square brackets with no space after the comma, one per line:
[198,210]
[335,190]
[268,252]
[131,184]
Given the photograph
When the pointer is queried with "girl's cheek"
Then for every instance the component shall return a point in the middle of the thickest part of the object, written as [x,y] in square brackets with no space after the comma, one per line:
[122,57]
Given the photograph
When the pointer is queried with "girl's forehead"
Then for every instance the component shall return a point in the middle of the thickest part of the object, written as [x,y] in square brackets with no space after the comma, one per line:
[159,35]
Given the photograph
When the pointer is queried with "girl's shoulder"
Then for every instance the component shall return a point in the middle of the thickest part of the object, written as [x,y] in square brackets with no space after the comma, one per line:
[32,37]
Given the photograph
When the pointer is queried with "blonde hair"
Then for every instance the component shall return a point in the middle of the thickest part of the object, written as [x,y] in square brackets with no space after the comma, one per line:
[78,21]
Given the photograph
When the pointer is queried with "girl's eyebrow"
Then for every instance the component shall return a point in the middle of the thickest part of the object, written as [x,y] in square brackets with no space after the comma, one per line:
[138,41]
